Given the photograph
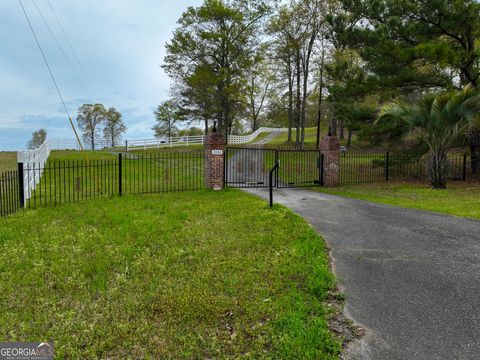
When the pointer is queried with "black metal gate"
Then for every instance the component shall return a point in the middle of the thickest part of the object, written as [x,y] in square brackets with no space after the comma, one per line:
[299,168]
[249,168]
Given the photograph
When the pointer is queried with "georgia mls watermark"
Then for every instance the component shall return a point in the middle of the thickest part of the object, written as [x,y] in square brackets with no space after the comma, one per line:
[26,350]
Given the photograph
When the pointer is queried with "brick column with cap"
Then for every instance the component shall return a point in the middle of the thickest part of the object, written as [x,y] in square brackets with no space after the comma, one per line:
[330,148]
[215,161]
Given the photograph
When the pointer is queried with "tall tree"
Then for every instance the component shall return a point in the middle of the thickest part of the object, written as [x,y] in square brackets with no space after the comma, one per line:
[418,45]
[114,127]
[348,91]
[283,31]
[167,116]
[89,117]
[38,138]
[218,37]
[310,11]
[295,30]
[258,90]
[321,83]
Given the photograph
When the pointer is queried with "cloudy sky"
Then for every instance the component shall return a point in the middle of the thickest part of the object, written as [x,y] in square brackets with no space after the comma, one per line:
[120,45]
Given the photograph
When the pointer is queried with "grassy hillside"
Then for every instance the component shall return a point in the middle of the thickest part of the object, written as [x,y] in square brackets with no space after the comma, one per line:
[8,161]
[190,275]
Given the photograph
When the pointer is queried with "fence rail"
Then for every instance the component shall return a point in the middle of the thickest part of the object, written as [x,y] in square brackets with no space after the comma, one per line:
[194,140]
[72,144]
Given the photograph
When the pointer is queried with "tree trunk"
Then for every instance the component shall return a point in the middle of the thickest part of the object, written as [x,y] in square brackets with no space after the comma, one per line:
[475,157]
[437,168]
[298,98]
[333,123]
[304,105]
[320,95]
[319,113]
[349,139]
[342,133]
[290,99]
[92,140]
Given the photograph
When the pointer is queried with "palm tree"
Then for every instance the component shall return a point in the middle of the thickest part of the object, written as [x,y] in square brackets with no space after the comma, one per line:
[438,121]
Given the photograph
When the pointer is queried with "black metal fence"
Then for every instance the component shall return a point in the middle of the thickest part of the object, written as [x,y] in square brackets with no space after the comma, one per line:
[61,182]
[9,193]
[299,168]
[356,168]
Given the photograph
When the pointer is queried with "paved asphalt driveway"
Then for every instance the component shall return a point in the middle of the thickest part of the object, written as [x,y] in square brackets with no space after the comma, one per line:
[411,278]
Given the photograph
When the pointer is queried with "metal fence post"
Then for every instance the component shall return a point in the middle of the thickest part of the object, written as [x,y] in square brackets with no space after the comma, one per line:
[321,169]
[270,179]
[387,166]
[270,186]
[21,185]
[464,172]
[276,172]
[120,174]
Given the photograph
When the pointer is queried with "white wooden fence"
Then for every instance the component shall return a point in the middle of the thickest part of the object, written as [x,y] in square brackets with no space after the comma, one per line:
[194,140]
[33,165]
[72,144]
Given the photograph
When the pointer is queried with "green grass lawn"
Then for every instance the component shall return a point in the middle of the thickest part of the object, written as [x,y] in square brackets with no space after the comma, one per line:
[198,275]
[8,161]
[310,137]
[460,199]
[65,155]
[260,136]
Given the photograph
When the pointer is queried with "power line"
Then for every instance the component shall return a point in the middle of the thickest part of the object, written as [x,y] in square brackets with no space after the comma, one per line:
[61,50]
[51,73]
[71,48]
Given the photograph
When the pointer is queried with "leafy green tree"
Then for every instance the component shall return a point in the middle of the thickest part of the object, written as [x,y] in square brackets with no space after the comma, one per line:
[167,116]
[210,54]
[38,138]
[89,118]
[195,95]
[295,29]
[346,76]
[284,33]
[438,121]
[413,46]
[114,127]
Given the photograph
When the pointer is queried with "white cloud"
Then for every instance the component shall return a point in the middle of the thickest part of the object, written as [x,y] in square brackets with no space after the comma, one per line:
[120,44]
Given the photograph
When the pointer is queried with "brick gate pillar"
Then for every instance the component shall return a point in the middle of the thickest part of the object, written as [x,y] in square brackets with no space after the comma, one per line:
[215,161]
[330,148]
